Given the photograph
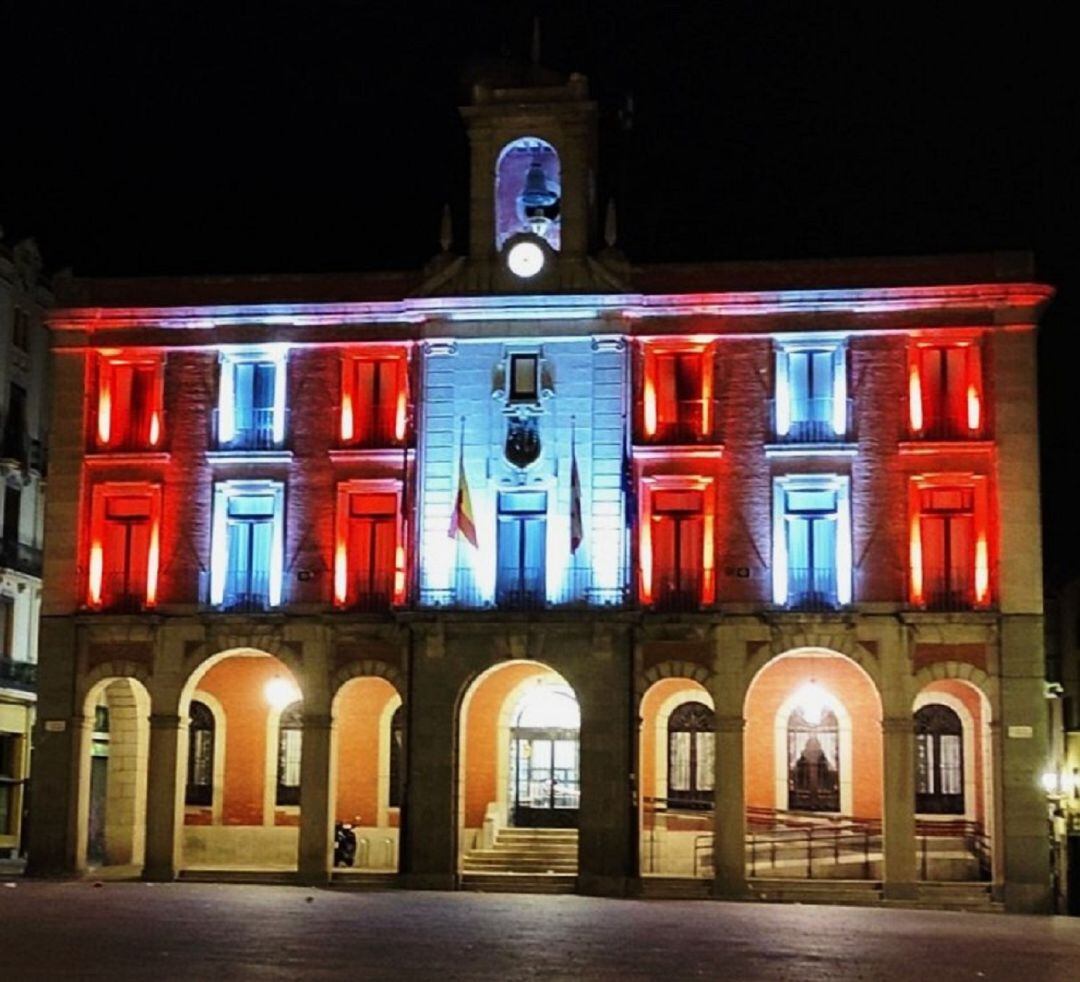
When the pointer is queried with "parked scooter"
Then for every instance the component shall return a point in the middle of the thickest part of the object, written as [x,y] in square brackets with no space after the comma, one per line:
[344,844]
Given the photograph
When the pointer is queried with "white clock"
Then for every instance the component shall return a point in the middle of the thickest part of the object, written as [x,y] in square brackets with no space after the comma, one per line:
[525,259]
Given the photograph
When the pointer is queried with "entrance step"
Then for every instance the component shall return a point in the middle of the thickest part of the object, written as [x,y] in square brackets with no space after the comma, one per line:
[278,877]
[529,851]
[518,883]
[975,896]
[848,892]
[362,880]
[675,888]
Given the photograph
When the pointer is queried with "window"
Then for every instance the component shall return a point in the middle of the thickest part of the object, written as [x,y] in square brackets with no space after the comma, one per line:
[20,329]
[246,567]
[811,542]
[368,574]
[939,761]
[200,771]
[677,404]
[945,399]
[7,626]
[374,400]
[524,378]
[677,549]
[12,513]
[251,402]
[522,546]
[397,756]
[949,561]
[124,548]
[129,413]
[691,738]
[811,393]
[813,763]
[290,737]
[10,767]
[16,433]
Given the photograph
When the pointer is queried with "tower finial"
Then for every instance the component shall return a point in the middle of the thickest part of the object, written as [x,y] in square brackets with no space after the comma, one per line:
[609,224]
[536,41]
[446,229]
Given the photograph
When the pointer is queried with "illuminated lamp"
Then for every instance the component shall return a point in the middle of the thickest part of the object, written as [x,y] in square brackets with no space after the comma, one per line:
[95,574]
[812,702]
[706,395]
[525,259]
[104,422]
[974,408]
[399,574]
[982,570]
[400,415]
[341,575]
[281,692]
[915,414]
[152,563]
[646,562]
[346,417]
[915,560]
[1050,782]
[155,428]
[649,407]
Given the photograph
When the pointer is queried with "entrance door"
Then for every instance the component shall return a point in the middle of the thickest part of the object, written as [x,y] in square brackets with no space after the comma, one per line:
[99,778]
[813,763]
[545,785]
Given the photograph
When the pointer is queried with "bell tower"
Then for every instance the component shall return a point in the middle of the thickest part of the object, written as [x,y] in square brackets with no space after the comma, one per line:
[533,211]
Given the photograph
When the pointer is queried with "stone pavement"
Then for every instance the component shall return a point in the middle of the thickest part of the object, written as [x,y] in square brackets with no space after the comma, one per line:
[121,931]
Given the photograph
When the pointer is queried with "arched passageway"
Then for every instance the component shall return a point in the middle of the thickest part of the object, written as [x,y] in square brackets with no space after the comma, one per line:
[519,778]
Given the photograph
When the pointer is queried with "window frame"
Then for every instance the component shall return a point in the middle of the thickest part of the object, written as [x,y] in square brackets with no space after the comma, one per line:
[651,352]
[223,492]
[100,495]
[291,719]
[108,410]
[649,486]
[840,484]
[915,403]
[349,408]
[344,580]
[228,360]
[784,416]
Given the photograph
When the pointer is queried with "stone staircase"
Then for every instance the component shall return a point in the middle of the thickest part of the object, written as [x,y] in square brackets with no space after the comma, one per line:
[524,861]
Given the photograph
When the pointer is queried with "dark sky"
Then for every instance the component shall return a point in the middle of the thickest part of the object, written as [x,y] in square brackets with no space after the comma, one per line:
[298,135]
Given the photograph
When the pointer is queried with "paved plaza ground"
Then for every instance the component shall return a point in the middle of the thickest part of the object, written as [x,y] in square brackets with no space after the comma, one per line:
[198,931]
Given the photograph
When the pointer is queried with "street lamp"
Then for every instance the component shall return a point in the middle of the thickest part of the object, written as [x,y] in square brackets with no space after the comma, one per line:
[281,692]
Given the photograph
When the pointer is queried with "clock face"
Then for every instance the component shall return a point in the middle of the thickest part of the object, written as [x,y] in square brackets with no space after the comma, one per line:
[525,259]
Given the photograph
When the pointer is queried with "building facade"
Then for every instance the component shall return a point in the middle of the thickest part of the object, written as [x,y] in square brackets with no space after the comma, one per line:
[24,343]
[539,562]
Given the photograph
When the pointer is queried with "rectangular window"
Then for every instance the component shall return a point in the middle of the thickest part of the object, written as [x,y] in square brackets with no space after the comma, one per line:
[945,399]
[374,401]
[12,514]
[524,378]
[124,550]
[16,435]
[129,412]
[677,397]
[290,745]
[20,329]
[811,542]
[811,393]
[7,627]
[246,567]
[251,400]
[371,543]
[946,537]
[521,549]
[677,549]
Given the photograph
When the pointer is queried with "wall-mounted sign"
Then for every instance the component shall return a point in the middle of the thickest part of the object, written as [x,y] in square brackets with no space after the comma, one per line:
[55,725]
[741,572]
[1021,732]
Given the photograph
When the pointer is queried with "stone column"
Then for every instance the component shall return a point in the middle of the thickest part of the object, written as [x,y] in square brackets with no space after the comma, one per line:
[729,831]
[164,790]
[898,827]
[316,836]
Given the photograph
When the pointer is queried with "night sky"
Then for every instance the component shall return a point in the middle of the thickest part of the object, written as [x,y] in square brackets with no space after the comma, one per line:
[303,136]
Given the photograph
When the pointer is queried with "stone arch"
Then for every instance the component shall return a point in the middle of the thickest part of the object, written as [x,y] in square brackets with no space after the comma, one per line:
[208,654]
[791,642]
[961,671]
[118,669]
[368,667]
[671,668]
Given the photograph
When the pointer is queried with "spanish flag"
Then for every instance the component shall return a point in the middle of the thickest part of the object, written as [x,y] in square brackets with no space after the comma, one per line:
[462,518]
[577,532]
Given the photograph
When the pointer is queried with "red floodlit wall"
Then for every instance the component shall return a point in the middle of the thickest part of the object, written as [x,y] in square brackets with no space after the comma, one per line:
[362,729]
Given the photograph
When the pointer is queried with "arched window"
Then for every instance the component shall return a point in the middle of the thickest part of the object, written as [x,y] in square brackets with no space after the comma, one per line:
[690,756]
[200,768]
[290,733]
[939,761]
[528,191]
[813,762]
[397,755]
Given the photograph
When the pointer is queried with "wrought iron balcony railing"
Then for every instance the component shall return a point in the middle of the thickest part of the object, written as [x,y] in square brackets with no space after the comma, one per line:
[134,438]
[812,589]
[255,429]
[812,421]
[371,593]
[19,557]
[676,590]
[246,592]
[20,675]
[376,427]
[945,426]
[121,593]
[526,589]
[691,425]
[949,590]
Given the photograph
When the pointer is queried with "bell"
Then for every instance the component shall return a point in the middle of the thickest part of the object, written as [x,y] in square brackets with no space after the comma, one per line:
[537,194]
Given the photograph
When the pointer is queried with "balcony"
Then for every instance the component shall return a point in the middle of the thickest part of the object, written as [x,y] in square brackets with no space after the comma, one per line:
[943,430]
[135,438]
[676,591]
[20,558]
[252,431]
[525,589]
[948,591]
[21,675]
[687,428]
[373,593]
[121,594]
[813,421]
[812,589]
[246,592]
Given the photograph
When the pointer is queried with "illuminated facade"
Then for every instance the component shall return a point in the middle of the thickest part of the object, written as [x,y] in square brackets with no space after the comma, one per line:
[539,562]
[24,343]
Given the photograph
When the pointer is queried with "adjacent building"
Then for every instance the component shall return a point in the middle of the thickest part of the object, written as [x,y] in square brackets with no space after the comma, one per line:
[539,563]
[24,362]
